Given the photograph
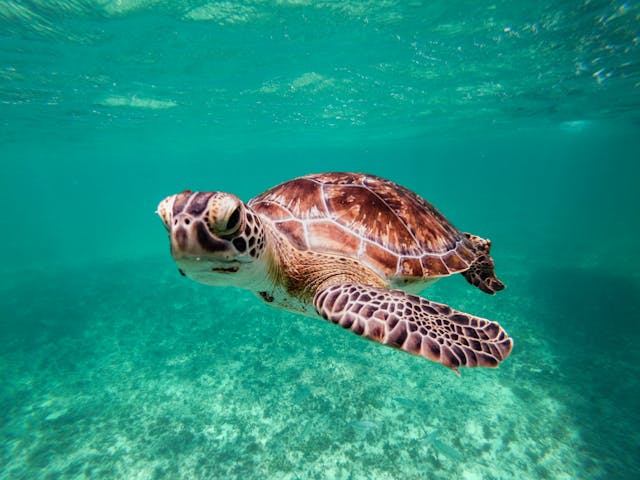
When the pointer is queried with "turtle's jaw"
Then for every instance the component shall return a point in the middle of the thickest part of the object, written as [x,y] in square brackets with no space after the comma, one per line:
[232,269]
[210,271]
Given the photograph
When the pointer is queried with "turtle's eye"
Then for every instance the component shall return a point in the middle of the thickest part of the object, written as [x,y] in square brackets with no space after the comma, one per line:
[234,220]
[225,224]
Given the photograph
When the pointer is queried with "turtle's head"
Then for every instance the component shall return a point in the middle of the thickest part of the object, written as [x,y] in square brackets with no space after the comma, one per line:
[214,236]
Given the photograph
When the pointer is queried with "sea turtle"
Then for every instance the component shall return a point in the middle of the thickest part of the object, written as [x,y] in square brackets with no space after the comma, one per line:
[349,247]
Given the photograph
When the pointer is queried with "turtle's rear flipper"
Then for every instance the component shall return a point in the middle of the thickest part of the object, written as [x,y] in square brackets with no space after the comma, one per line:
[481,273]
[415,325]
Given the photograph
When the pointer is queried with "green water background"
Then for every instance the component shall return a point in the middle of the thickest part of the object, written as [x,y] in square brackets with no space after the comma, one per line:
[519,121]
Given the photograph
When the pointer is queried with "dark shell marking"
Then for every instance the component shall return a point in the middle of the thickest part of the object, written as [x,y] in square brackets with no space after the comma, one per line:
[416,325]
[374,220]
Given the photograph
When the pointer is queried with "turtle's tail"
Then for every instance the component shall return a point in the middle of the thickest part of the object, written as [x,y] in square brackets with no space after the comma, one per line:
[482,273]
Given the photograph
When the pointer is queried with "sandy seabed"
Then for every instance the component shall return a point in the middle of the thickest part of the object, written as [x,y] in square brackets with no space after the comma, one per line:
[130,371]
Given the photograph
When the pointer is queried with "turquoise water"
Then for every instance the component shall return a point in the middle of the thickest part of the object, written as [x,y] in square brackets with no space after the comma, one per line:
[520,121]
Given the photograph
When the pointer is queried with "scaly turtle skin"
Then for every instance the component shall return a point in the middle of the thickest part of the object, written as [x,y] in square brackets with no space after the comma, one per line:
[349,247]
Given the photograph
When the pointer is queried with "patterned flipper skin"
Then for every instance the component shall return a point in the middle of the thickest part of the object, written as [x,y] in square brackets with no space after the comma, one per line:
[416,325]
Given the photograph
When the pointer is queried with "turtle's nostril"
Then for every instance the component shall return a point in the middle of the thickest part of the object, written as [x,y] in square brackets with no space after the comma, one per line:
[182,220]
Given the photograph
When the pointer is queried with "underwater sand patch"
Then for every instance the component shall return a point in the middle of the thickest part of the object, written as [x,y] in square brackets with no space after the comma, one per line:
[137,102]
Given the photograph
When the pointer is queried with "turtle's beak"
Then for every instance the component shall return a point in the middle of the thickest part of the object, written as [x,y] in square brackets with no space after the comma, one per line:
[164,210]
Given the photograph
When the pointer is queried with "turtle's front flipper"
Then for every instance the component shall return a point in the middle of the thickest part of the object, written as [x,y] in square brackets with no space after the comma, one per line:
[416,325]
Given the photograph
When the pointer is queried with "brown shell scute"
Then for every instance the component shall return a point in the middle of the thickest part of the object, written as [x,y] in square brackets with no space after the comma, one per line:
[368,218]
